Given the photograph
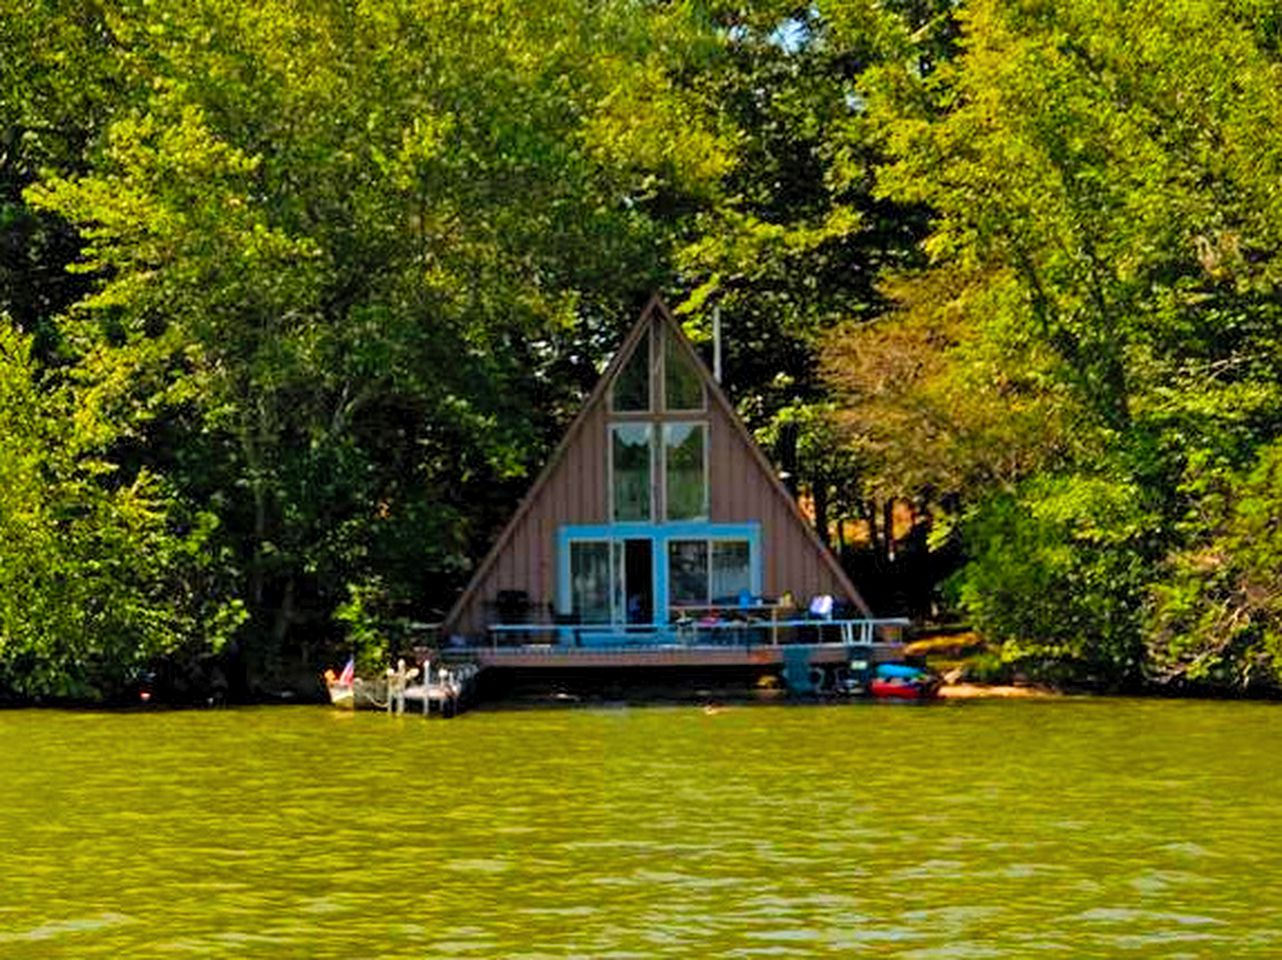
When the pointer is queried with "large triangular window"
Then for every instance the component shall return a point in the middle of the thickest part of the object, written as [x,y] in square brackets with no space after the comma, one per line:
[682,385]
[631,392]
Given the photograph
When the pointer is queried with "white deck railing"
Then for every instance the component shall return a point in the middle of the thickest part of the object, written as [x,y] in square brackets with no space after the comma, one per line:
[690,632]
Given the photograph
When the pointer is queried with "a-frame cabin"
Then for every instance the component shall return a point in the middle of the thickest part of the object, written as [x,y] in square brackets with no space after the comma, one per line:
[656,504]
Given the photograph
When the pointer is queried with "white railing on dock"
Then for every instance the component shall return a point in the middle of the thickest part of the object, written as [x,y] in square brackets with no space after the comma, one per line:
[398,679]
[447,687]
[687,632]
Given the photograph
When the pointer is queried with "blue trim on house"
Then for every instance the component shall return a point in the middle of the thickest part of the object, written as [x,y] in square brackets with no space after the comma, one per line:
[658,534]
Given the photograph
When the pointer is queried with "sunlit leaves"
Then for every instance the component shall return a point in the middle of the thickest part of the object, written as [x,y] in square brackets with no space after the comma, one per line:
[1104,174]
[96,579]
[345,254]
[1217,615]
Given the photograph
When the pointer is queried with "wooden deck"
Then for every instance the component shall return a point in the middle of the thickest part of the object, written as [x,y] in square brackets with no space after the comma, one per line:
[554,656]
[807,655]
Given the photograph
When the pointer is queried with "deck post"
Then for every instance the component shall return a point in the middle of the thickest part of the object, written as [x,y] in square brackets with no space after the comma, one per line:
[396,688]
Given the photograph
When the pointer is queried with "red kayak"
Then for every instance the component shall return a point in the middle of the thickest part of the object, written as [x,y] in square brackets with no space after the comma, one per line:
[902,690]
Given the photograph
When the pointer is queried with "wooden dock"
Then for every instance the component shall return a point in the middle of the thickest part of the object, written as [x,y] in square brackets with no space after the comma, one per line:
[448,691]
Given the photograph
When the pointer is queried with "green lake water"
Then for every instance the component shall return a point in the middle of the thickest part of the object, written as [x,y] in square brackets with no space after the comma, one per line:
[1101,828]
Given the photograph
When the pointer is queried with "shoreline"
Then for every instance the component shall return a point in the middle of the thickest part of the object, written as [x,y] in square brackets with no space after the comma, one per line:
[560,697]
[997,691]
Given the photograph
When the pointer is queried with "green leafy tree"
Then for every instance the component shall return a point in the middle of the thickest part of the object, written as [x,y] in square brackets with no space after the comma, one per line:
[938,398]
[1057,575]
[1217,614]
[1102,174]
[345,252]
[827,472]
[796,242]
[101,572]
[58,86]
[1139,232]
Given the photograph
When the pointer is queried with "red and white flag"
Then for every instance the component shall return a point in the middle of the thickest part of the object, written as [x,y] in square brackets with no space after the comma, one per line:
[349,672]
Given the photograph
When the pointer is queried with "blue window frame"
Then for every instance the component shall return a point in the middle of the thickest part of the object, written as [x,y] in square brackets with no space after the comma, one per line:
[659,535]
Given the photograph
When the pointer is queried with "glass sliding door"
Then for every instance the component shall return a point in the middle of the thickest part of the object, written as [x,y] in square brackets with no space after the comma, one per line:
[708,572]
[591,585]
[612,581]
[687,572]
[731,570]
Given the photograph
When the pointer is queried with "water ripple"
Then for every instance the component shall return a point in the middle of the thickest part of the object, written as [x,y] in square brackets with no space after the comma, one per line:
[1083,828]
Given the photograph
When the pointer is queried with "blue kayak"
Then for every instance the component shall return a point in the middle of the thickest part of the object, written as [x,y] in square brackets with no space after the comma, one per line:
[898,671]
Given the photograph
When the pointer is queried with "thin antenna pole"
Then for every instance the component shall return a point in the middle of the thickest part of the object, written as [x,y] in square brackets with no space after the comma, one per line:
[716,343]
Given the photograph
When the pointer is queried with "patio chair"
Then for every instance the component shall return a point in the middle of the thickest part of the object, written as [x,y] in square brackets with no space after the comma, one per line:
[820,609]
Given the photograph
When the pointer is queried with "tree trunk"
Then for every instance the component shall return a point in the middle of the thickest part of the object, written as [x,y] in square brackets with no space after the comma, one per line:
[786,452]
[888,526]
[258,492]
[819,492]
[870,513]
[284,614]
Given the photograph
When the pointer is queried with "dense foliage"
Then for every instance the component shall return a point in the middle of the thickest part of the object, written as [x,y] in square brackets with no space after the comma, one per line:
[99,573]
[296,297]
[1094,354]
[350,265]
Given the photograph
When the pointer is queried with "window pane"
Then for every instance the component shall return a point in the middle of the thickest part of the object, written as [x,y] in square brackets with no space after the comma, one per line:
[731,570]
[632,385]
[687,572]
[590,581]
[619,600]
[686,482]
[683,387]
[631,459]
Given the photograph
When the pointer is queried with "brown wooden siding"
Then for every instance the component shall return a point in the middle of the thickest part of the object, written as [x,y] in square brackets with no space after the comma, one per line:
[742,492]
[574,493]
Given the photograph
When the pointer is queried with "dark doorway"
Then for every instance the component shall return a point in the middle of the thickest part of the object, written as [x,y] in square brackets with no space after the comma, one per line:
[638,580]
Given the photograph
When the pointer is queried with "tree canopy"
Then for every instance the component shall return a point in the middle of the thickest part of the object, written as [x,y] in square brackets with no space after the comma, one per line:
[336,255]
[295,298]
[1094,346]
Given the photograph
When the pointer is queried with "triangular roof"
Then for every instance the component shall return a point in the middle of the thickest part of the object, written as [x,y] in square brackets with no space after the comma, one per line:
[655,309]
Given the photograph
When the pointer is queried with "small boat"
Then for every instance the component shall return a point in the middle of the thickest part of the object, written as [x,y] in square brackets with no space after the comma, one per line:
[897,681]
[342,686]
[902,690]
[356,693]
